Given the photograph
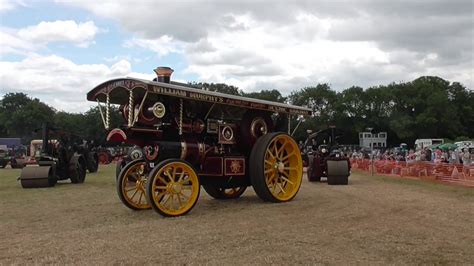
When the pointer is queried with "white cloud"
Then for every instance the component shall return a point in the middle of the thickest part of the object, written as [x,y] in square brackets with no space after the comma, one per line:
[162,46]
[28,40]
[286,45]
[266,56]
[250,44]
[10,43]
[6,5]
[58,81]
[81,34]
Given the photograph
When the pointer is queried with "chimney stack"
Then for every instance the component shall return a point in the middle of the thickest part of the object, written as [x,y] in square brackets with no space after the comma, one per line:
[163,74]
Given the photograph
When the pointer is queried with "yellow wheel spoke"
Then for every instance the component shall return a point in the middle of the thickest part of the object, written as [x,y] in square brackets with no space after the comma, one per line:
[161,179]
[174,173]
[268,171]
[179,200]
[174,196]
[286,174]
[181,176]
[281,188]
[287,156]
[270,152]
[185,182]
[133,195]
[166,173]
[160,194]
[184,196]
[140,198]
[130,189]
[167,199]
[286,179]
[270,178]
[187,187]
[170,203]
[268,162]
[281,150]
[160,187]
[275,150]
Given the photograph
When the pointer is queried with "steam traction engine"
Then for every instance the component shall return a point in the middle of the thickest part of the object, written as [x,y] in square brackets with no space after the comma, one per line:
[192,137]
[325,159]
[58,159]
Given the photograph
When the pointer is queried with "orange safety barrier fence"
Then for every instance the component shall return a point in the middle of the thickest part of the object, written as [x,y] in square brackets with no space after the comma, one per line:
[442,172]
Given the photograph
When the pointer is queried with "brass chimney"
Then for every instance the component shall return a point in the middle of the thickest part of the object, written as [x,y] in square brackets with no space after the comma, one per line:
[163,74]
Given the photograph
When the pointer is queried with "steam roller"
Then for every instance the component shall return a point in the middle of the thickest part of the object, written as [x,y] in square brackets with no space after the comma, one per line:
[37,177]
[58,159]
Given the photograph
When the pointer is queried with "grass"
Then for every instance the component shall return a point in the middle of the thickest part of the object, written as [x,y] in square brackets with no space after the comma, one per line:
[374,220]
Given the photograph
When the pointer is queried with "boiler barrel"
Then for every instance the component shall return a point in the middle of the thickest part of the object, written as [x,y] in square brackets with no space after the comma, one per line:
[190,151]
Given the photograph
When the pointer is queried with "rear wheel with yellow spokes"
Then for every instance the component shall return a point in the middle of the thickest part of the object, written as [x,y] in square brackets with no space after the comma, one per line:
[276,167]
[173,188]
[131,185]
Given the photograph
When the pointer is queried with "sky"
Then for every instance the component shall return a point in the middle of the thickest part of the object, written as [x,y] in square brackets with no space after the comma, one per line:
[59,50]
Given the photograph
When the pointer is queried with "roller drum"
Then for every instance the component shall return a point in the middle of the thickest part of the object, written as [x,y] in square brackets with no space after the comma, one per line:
[37,177]
[338,171]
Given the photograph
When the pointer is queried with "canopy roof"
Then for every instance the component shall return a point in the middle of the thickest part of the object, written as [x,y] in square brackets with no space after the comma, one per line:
[119,89]
[447,146]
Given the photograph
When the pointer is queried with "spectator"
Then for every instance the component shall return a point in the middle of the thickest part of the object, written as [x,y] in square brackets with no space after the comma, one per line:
[444,159]
[437,157]
[466,157]
[445,155]
[418,155]
[423,155]
[428,155]
[455,156]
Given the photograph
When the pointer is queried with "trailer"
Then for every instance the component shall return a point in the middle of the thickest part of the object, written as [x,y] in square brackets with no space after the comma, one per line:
[10,142]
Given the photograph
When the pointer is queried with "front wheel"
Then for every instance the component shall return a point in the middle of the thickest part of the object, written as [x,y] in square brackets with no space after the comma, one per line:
[119,166]
[131,183]
[15,164]
[77,169]
[173,188]
[92,162]
[276,167]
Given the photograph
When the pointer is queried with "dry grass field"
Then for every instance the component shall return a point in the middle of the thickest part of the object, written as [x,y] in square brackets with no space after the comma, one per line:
[374,220]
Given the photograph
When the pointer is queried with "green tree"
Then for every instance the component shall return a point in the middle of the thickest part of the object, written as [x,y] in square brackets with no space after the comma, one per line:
[218,87]
[321,99]
[269,95]
[21,115]
[462,100]
[93,128]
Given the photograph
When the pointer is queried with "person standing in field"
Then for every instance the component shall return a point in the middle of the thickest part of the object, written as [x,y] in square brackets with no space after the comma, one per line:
[466,158]
[455,156]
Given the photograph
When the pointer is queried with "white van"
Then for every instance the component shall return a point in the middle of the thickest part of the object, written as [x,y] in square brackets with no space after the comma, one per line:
[465,144]
[425,143]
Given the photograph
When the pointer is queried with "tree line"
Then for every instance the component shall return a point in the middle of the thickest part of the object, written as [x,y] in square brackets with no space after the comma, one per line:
[427,107]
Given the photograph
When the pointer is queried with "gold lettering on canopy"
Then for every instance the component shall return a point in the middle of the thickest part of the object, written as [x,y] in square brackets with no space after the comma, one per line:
[208,97]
